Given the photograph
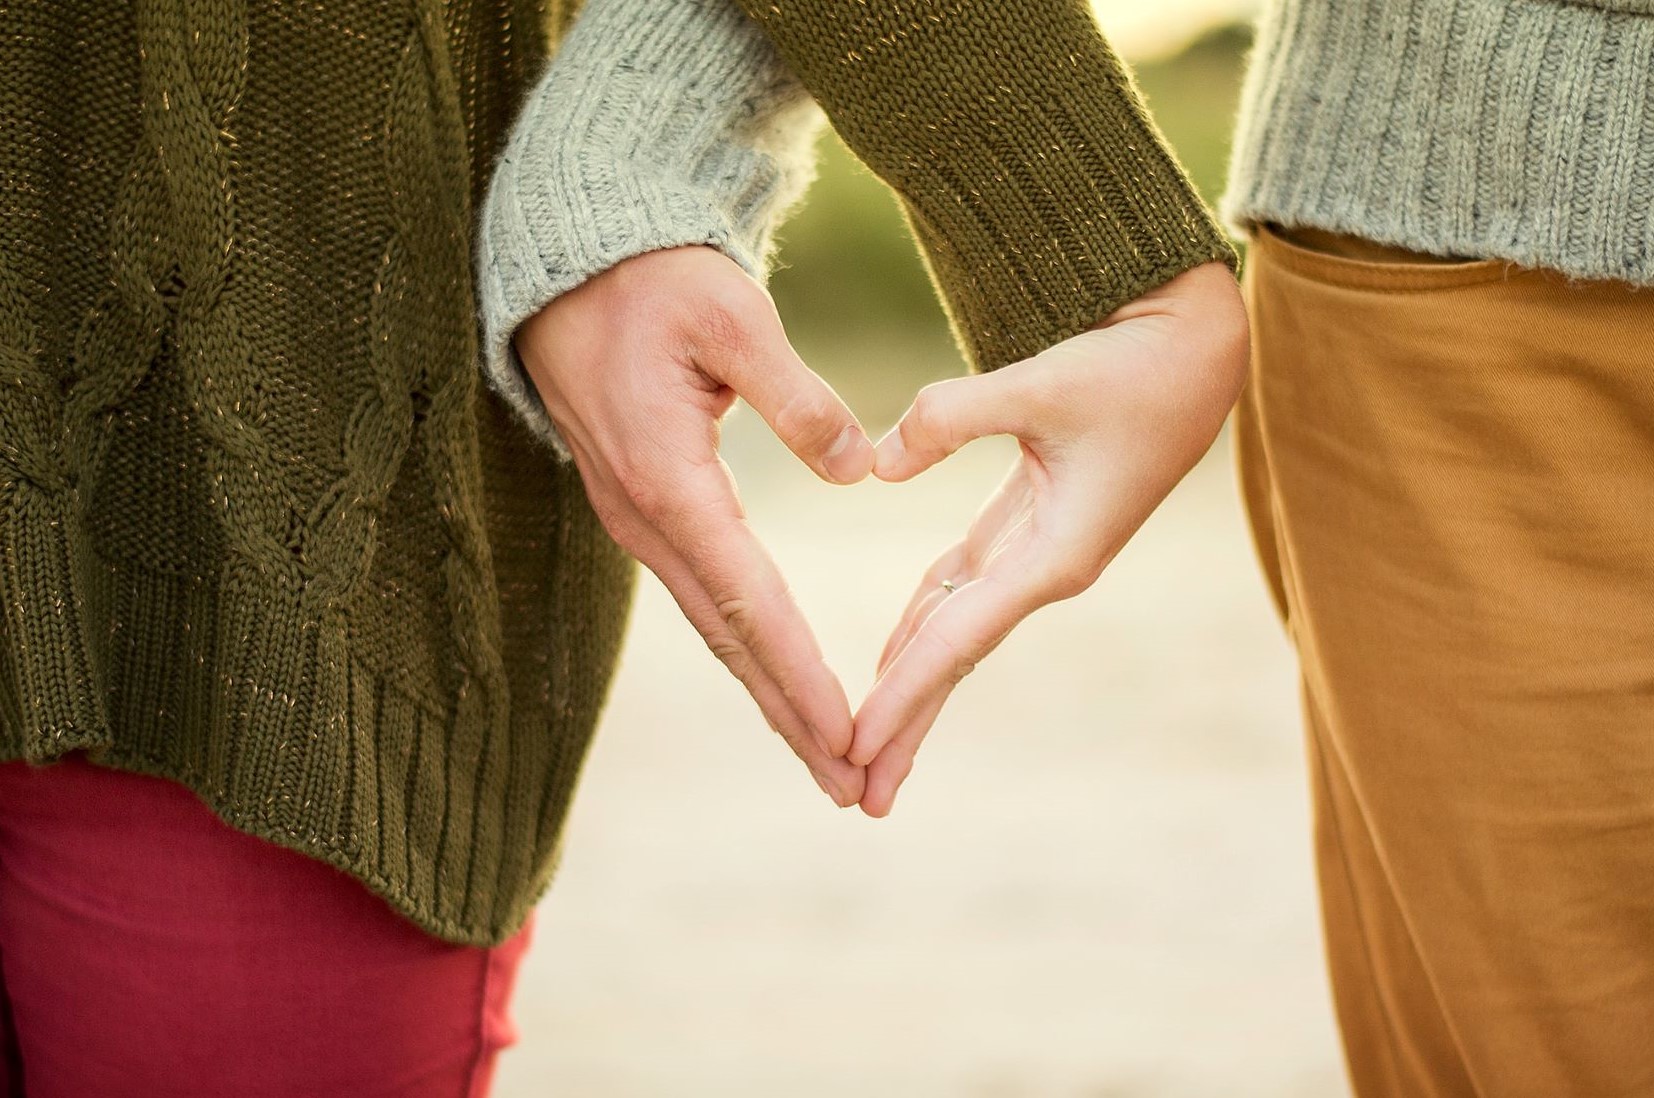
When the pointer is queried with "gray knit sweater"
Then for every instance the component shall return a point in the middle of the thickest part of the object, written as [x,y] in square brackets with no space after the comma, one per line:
[1521,129]
[659,123]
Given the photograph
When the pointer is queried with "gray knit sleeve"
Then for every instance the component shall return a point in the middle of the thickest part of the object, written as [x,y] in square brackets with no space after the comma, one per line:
[658,123]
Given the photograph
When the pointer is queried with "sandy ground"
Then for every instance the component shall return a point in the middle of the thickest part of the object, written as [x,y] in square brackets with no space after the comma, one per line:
[1096,883]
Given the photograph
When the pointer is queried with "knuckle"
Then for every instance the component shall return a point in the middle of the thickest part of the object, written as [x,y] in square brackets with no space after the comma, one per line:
[732,654]
[616,513]
[738,615]
[615,519]
[807,417]
[640,486]
[927,420]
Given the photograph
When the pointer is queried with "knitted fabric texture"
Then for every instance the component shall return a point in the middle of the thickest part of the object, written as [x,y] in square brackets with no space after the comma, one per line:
[264,528]
[1520,129]
[660,124]
[1037,185]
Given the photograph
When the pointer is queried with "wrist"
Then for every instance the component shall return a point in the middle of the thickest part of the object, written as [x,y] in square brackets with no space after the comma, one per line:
[660,123]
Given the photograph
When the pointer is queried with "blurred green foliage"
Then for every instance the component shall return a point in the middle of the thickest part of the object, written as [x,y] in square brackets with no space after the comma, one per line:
[849,282]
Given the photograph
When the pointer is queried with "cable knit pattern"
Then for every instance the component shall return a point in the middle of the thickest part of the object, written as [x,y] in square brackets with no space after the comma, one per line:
[681,126]
[261,531]
[270,524]
[1522,129]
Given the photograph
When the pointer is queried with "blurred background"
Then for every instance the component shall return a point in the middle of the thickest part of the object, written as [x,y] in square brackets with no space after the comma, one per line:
[1097,881]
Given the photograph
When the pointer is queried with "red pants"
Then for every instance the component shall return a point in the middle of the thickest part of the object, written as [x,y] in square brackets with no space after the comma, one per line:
[148,949]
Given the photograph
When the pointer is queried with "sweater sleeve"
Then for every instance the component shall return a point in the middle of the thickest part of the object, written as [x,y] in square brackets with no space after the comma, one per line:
[1041,193]
[658,123]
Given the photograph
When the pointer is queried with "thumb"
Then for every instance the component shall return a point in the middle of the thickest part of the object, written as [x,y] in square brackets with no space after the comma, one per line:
[947,414]
[801,408]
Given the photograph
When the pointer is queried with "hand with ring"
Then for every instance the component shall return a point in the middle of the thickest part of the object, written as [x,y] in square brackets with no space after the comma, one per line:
[1108,421]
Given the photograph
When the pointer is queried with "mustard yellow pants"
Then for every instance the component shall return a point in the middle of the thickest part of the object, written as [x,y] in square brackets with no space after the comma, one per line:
[1449,472]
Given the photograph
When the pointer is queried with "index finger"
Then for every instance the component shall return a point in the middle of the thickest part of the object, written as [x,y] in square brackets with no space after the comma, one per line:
[905,702]
[705,525]
[837,777]
[958,633]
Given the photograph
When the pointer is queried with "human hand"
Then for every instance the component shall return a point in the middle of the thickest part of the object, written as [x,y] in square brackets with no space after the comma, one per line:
[637,367]
[1108,421]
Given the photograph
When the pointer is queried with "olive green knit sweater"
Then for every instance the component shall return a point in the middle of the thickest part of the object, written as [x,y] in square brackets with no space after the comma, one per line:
[263,529]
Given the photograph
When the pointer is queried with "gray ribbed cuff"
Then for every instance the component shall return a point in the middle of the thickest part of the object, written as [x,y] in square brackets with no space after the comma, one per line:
[1521,129]
[659,123]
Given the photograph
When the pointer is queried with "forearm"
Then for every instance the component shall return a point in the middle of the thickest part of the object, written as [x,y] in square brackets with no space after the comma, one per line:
[1041,192]
[659,123]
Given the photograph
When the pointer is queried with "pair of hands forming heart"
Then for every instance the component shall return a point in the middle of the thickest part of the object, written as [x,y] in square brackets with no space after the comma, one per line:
[638,365]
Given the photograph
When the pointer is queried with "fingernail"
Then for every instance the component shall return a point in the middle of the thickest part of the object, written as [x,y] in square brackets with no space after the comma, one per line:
[890,451]
[849,458]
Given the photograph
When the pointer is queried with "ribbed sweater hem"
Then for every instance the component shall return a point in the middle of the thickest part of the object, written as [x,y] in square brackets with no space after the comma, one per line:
[252,820]
[268,711]
[1517,129]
